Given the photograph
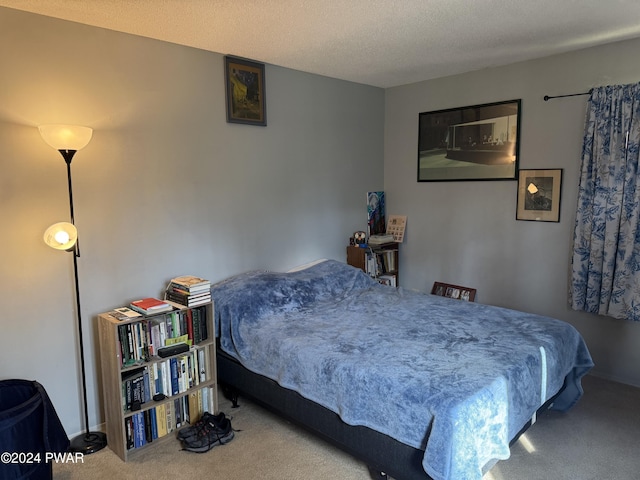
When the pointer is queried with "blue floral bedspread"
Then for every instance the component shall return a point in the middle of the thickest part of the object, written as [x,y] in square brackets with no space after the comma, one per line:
[456,379]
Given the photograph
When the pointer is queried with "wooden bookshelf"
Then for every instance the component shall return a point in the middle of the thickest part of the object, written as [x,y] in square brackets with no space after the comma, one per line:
[196,393]
[379,261]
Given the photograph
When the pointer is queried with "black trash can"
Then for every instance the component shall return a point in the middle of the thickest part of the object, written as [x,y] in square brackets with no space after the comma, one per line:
[29,429]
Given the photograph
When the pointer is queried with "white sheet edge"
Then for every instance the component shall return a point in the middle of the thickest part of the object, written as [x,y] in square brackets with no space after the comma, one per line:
[307,265]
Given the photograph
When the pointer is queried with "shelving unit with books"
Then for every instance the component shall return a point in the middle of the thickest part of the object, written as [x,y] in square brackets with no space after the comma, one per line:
[149,390]
[379,261]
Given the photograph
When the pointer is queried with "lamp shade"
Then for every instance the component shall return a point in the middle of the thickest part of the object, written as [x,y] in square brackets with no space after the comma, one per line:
[66,137]
[61,236]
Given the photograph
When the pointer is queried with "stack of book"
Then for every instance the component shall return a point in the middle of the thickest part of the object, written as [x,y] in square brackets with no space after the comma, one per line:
[150,306]
[380,239]
[189,290]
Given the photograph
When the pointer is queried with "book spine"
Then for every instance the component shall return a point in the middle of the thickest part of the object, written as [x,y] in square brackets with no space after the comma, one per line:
[154,423]
[204,334]
[202,365]
[184,297]
[128,394]
[166,378]
[147,385]
[174,376]
[148,435]
[137,438]
[194,414]
[128,423]
[171,416]
[161,420]
[189,315]
[131,358]
[191,288]
[177,412]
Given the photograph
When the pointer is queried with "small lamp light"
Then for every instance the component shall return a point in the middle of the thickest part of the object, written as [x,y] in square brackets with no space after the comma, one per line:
[67,139]
[61,236]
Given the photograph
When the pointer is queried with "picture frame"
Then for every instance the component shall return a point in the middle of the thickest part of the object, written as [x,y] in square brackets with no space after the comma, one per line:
[539,195]
[245,91]
[457,292]
[376,213]
[396,226]
[479,142]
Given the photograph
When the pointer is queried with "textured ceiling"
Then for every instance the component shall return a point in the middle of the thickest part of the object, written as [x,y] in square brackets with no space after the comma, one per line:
[376,42]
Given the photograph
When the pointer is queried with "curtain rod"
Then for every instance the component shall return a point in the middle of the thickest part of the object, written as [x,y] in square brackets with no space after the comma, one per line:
[547,97]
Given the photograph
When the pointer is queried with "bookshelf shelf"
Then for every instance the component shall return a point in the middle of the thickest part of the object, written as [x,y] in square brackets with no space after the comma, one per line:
[132,374]
[379,261]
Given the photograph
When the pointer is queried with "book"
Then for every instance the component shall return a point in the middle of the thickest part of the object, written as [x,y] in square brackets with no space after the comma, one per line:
[149,306]
[165,375]
[173,372]
[139,436]
[204,288]
[188,300]
[148,435]
[173,290]
[380,239]
[177,412]
[191,282]
[185,293]
[153,420]
[194,411]
[161,420]
[171,417]
[202,372]
[128,422]
[124,313]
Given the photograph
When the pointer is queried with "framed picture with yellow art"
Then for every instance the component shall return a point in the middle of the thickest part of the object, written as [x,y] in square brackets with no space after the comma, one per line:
[539,195]
[244,82]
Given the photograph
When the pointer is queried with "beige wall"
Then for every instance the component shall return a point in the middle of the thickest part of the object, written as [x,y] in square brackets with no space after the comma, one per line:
[466,232]
[166,187]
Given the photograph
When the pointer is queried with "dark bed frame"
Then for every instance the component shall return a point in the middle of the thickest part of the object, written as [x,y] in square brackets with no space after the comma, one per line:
[382,454]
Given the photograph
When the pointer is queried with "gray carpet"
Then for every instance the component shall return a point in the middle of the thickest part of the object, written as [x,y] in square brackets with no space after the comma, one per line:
[598,439]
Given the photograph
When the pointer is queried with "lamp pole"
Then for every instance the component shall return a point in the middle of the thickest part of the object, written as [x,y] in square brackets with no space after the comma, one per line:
[90,442]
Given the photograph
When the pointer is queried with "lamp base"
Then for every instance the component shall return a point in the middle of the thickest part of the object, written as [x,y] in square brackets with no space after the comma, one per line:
[88,443]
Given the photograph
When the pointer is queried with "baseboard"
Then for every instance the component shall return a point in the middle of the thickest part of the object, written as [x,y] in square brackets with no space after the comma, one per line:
[613,378]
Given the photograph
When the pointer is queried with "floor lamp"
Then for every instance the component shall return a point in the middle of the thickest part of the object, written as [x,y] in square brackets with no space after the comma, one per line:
[68,139]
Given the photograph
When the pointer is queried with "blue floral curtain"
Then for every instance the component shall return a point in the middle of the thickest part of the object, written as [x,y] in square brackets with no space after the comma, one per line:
[605,266]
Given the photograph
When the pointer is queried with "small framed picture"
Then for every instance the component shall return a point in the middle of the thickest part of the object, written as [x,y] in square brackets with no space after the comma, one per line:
[454,291]
[539,195]
[244,82]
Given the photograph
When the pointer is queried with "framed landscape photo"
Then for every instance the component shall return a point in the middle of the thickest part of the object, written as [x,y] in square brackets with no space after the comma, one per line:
[479,142]
[244,82]
[539,195]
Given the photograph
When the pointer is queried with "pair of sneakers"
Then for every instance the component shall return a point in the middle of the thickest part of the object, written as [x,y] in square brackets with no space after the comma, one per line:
[206,433]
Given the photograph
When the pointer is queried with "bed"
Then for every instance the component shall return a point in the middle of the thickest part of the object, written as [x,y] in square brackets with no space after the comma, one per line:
[416,385]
